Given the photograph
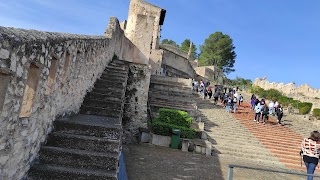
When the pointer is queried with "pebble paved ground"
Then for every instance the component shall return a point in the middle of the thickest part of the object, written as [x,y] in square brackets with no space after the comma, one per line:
[146,161]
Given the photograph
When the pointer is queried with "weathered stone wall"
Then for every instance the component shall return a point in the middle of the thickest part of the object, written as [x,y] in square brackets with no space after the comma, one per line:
[44,75]
[174,49]
[304,93]
[211,73]
[143,25]
[135,114]
[176,65]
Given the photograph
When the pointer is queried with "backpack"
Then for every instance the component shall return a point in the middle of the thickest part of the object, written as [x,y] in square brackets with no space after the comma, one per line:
[235,99]
[280,111]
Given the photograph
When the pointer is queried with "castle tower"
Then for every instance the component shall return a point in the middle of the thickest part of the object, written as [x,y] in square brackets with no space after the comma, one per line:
[143,25]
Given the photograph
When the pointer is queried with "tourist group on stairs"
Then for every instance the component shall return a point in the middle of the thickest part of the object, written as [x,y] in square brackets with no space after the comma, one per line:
[228,99]
[263,110]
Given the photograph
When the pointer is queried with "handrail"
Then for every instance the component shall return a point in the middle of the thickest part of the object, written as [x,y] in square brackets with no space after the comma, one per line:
[231,166]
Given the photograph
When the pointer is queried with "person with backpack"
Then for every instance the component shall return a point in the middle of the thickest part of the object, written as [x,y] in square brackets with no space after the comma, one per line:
[264,112]
[201,89]
[279,114]
[216,97]
[209,92]
[257,110]
[234,103]
[240,100]
[310,149]
[228,104]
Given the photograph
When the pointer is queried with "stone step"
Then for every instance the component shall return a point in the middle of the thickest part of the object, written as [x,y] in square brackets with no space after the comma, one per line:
[114,82]
[253,141]
[106,96]
[91,110]
[78,158]
[269,132]
[187,108]
[173,80]
[55,172]
[115,71]
[116,67]
[243,136]
[91,143]
[119,61]
[157,97]
[170,86]
[110,74]
[103,98]
[120,86]
[123,69]
[114,105]
[114,78]
[171,100]
[258,157]
[107,91]
[90,125]
[156,92]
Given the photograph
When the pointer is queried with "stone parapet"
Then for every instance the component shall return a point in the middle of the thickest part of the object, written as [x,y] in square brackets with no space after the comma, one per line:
[44,75]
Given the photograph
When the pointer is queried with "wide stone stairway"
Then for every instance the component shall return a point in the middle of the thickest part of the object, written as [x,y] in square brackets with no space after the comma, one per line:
[172,93]
[87,145]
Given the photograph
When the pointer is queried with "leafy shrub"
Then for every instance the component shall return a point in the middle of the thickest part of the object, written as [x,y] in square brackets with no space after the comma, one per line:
[284,100]
[165,129]
[316,113]
[176,117]
[305,107]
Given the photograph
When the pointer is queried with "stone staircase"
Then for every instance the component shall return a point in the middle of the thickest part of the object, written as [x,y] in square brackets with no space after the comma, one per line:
[87,146]
[282,142]
[167,92]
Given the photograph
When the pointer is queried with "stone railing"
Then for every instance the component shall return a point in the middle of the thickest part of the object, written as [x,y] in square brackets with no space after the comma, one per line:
[44,75]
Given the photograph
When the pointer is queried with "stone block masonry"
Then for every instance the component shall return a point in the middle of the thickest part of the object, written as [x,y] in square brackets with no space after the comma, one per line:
[135,114]
[44,75]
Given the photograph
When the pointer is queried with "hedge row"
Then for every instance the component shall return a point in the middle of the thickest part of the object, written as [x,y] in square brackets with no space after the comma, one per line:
[173,119]
[273,94]
[176,117]
[165,129]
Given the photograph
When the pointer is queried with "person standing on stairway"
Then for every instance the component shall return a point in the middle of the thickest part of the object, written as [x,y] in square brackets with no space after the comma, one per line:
[264,112]
[257,109]
[279,114]
[310,150]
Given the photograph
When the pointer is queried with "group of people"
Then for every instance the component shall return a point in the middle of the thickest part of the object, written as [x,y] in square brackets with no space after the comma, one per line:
[310,147]
[264,110]
[228,99]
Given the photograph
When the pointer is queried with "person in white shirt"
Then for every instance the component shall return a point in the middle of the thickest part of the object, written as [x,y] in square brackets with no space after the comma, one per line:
[257,110]
[271,108]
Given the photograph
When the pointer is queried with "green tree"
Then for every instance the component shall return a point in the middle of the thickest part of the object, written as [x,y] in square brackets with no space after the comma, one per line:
[218,50]
[170,42]
[185,45]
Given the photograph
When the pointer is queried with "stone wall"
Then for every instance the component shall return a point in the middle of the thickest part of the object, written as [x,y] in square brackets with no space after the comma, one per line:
[44,75]
[211,73]
[174,50]
[144,24]
[304,92]
[176,66]
[135,114]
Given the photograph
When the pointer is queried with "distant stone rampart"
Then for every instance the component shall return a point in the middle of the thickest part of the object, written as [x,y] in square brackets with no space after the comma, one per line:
[304,93]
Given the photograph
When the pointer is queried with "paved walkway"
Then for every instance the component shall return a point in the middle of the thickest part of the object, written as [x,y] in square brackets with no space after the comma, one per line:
[148,162]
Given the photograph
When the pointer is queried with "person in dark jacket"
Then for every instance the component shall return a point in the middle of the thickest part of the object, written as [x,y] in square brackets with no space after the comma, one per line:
[279,114]
[265,112]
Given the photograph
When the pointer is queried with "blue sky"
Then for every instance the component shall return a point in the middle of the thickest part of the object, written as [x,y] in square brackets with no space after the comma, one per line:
[278,39]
